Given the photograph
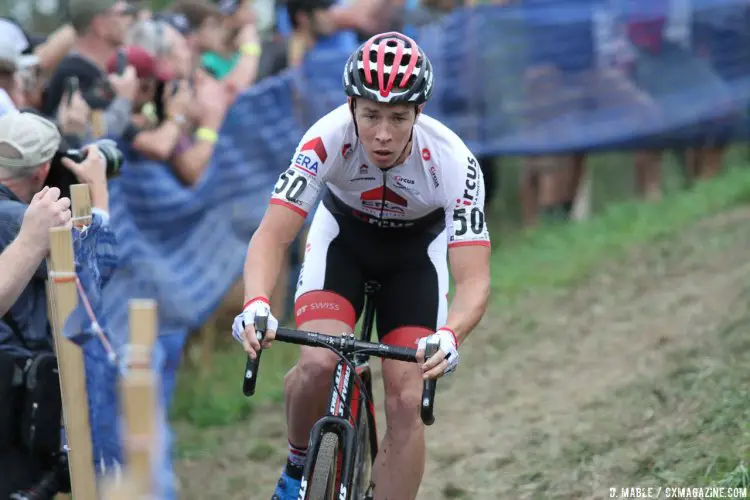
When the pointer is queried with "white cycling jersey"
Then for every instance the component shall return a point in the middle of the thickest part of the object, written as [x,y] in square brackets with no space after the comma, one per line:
[440,174]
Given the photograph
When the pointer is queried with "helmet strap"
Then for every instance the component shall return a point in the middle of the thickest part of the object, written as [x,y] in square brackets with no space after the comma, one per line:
[354,117]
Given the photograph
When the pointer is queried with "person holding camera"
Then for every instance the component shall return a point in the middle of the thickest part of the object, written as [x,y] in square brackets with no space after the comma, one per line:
[22,257]
[29,149]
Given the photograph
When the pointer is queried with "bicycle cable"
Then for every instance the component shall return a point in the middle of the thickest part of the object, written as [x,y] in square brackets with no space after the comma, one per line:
[357,378]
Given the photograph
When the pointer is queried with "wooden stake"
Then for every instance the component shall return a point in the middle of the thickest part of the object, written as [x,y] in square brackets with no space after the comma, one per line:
[80,197]
[64,299]
[138,392]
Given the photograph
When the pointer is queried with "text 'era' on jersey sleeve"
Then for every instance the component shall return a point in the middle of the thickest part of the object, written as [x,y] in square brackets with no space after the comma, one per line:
[299,185]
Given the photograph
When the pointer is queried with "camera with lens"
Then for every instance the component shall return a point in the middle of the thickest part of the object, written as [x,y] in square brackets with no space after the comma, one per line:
[55,480]
[60,177]
[107,150]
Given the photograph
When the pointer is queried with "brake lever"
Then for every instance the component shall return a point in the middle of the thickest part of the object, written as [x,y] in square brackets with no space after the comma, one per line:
[253,365]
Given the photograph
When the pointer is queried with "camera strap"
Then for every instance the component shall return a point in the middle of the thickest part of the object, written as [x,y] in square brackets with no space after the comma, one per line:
[8,320]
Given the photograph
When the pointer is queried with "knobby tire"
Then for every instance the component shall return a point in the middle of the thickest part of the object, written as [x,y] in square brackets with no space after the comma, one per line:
[323,482]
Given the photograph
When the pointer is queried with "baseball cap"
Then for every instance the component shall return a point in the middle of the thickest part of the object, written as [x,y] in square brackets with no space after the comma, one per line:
[26,140]
[144,63]
[177,20]
[12,58]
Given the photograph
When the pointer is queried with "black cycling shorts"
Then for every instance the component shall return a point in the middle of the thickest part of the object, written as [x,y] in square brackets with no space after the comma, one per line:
[410,264]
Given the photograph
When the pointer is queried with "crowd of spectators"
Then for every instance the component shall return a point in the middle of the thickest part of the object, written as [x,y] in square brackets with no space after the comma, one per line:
[161,83]
[158,83]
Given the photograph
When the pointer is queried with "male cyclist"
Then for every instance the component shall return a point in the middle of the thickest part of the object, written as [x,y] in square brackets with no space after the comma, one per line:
[404,195]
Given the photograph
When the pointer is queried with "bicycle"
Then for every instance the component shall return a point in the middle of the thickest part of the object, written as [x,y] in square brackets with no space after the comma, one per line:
[337,465]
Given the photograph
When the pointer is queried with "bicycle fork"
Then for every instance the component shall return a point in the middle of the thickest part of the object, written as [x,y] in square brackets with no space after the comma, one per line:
[343,391]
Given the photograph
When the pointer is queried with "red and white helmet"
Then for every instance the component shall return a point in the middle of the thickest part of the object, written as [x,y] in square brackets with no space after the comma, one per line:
[390,68]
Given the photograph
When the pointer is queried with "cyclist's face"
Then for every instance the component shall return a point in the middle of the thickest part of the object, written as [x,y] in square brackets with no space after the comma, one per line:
[384,130]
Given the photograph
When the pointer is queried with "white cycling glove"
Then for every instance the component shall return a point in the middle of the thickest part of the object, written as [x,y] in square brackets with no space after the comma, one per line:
[448,344]
[258,306]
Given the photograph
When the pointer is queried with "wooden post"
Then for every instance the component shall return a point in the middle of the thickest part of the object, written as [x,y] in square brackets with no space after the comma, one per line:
[119,490]
[138,392]
[80,197]
[64,298]
[98,124]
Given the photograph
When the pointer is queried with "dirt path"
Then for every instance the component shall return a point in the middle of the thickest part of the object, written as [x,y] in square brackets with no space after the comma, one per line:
[539,407]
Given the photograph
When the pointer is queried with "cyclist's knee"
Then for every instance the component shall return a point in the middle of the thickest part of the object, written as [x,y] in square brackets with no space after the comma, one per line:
[402,404]
[316,366]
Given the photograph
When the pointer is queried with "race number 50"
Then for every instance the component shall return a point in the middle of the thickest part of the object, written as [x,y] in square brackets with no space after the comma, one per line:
[462,220]
[291,185]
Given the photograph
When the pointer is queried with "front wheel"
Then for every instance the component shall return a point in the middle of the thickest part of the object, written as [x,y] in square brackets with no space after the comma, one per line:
[363,459]
[323,482]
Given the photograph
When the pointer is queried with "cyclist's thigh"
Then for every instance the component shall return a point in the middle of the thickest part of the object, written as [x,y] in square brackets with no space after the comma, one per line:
[413,300]
[330,289]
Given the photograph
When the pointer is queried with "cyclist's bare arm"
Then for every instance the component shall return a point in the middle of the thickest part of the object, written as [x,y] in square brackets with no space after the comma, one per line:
[468,244]
[470,268]
[293,197]
[267,251]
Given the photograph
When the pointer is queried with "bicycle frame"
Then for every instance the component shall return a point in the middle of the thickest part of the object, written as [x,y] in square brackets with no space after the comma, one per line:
[345,395]
[345,400]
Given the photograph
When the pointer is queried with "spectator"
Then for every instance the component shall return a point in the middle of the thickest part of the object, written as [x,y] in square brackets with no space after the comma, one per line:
[154,135]
[557,83]
[28,144]
[345,24]
[49,51]
[719,37]
[159,37]
[11,64]
[237,63]
[661,67]
[205,115]
[22,257]
[203,107]
[73,117]
[200,23]
[101,26]
[313,27]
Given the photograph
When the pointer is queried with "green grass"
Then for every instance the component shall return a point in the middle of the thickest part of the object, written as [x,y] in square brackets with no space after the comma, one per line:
[556,256]
[217,399]
[552,257]
[704,396]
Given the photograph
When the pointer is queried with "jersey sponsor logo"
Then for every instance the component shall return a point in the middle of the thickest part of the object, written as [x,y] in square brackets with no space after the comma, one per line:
[346,151]
[433,174]
[470,184]
[385,200]
[306,164]
[338,400]
[406,184]
[382,223]
[318,306]
[403,180]
[426,154]
[318,147]
[363,170]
